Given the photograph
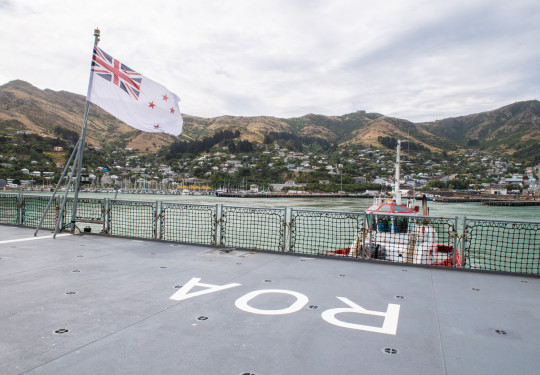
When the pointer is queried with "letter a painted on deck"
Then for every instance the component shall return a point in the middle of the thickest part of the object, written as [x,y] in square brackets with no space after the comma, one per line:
[183,293]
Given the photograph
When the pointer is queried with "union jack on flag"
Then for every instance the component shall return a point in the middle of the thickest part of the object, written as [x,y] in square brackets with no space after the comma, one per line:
[107,67]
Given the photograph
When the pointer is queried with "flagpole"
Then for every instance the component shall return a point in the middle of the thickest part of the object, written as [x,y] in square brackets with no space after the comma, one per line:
[81,142]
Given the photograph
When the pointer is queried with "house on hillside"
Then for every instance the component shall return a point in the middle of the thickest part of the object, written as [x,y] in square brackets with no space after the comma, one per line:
[360,180]
[515,179]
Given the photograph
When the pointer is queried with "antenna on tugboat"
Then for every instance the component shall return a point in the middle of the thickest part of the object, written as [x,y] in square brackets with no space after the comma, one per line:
[397,192]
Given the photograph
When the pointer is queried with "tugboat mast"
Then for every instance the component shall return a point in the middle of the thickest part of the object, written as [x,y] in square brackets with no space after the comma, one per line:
[397,192]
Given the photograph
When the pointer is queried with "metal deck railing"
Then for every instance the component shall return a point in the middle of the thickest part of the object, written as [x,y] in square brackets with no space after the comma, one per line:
[495,245]
[482,244]
[190,223]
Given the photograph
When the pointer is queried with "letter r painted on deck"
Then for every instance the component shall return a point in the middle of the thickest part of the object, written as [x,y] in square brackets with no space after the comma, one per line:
[389,326]
[183,293]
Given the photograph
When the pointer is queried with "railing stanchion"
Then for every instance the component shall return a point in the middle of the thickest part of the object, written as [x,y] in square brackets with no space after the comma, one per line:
[20,208]
[454,261]
[463,240]
[160,219]
[219,237]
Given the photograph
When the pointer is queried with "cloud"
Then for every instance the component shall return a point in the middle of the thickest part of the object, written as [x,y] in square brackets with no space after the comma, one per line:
[419,60]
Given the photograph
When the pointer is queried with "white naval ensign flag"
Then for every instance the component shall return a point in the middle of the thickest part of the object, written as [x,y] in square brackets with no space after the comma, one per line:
[132,98]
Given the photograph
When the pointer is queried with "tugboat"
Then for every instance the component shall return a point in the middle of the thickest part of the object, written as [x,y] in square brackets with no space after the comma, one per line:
[397,233]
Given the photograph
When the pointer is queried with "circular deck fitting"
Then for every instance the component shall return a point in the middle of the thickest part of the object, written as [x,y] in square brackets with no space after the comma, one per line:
[399,297]
[476,289]
[523,281]
[342,275]
[238,263]
[80,256]
[501,332]
[61,331]
[403,270]
[313,307]
[267,281]
[202,318]
[163,267]
[390,351]
[70,293]
[177,286]
[75,271]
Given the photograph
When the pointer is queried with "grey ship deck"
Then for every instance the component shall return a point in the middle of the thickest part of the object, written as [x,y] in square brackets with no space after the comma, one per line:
[113,297]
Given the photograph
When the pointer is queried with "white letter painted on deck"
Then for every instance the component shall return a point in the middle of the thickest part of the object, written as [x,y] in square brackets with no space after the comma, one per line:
[389,326]
[182,294]
[242,302]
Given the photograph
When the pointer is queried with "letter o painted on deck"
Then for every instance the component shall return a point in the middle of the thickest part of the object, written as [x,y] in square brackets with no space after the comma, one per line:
[242,302]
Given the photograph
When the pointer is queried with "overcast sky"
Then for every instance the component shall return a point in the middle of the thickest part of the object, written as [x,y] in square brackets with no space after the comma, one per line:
[419,60]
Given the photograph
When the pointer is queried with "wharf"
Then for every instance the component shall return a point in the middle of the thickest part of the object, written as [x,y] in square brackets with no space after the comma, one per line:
[274,195]
[489,201]
[90,304]
[462,199]
[512,203]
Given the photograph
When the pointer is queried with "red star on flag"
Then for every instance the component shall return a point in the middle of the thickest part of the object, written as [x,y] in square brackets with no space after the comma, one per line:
[156,126]
[151,105]
[165,97]
[172,110]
